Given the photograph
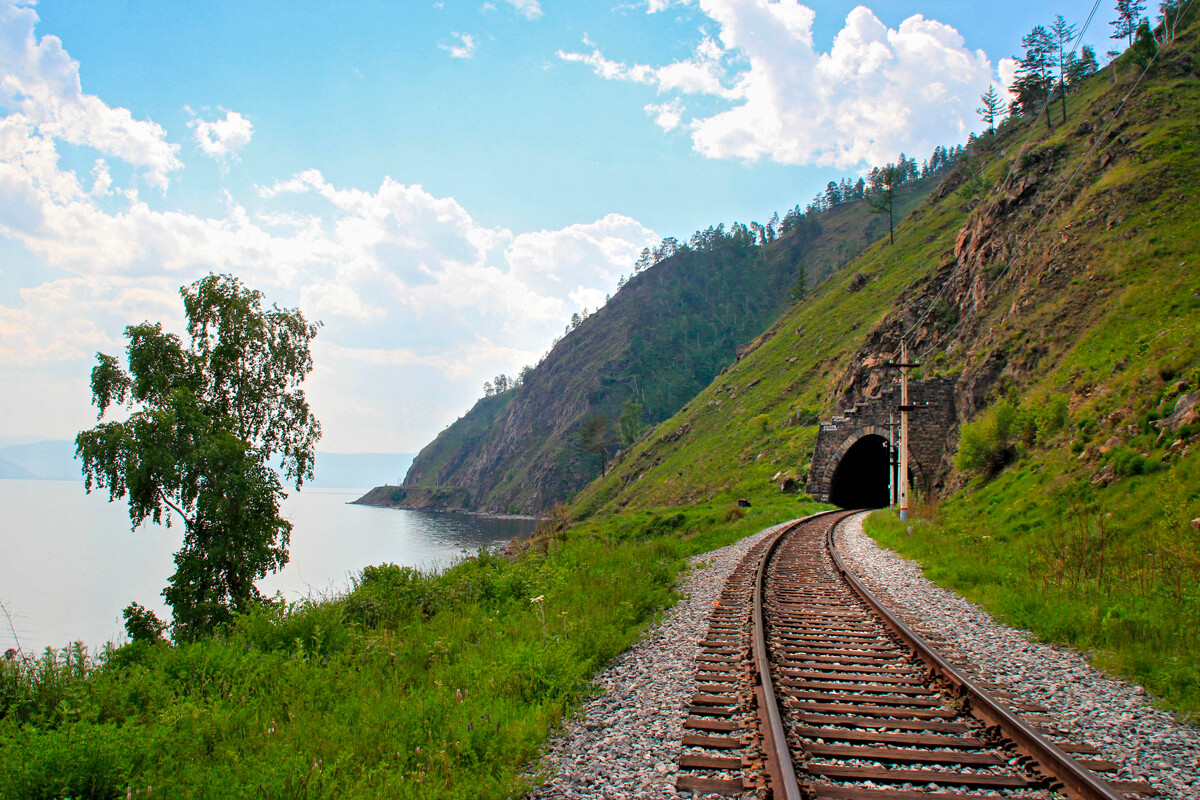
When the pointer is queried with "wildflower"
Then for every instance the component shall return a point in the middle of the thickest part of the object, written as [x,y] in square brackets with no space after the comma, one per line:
[537,599]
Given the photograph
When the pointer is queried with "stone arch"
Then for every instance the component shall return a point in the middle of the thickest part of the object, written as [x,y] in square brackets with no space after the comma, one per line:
[832,459]
[852,438]
[861,470]
[870,417]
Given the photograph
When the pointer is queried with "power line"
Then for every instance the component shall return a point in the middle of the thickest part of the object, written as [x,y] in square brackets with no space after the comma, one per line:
[1024,240]
[1033,125]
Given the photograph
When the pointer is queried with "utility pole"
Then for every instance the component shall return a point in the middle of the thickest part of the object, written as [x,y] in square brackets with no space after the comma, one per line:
[898,478]
[905,407]
[892,455]
[903,432]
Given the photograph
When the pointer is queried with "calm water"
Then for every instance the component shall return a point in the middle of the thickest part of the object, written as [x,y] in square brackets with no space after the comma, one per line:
[69,562]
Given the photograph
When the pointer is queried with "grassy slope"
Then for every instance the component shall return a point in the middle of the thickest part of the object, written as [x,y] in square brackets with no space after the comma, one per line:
[1091,296]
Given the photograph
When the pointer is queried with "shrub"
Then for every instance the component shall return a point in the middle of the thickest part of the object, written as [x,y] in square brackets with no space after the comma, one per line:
[388,595]
[985,445]
[142,624]
[84,762]
[1051,417]
[1126,462]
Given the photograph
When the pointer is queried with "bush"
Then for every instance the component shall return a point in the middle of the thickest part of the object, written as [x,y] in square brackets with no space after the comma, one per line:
[85,762]
[1050,418]
[388,595]
[142,624]
[985,445]
[1127,462]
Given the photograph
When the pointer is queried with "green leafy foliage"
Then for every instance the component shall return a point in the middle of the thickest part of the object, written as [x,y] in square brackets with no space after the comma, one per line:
[203,425]
[990,442]
[985,444]
[142,624]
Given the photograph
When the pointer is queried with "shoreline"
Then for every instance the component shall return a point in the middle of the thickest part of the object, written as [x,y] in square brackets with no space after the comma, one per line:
[395,497]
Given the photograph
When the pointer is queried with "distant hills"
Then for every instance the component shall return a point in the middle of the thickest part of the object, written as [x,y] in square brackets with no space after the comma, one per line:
[47,460]
[668,331]
[54,460]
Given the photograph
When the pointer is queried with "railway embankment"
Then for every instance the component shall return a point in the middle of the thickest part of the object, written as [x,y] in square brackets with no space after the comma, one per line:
[629,740]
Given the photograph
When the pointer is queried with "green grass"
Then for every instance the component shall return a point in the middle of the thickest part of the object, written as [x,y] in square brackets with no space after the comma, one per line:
[412,685]
[1113,572]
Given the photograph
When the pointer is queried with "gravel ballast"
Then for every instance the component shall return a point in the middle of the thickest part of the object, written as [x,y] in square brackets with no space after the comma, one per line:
[625,742]
[1110,714]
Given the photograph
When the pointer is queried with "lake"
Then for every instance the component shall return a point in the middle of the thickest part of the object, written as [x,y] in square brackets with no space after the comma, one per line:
[69,562]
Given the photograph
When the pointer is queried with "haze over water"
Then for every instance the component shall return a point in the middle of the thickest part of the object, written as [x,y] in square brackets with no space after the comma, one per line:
[69,562]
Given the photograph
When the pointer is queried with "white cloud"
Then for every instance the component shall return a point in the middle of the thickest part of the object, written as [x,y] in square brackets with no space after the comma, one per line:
[40,82]
[877,92]
[530,9]
[222,138]
[421,302]
[465,47]
[101,179]
[666,115]
[579,256]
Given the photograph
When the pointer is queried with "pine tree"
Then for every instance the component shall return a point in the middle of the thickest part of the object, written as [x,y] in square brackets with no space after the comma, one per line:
[1034,79]
[1063,34]
[1129,14]
[991,108]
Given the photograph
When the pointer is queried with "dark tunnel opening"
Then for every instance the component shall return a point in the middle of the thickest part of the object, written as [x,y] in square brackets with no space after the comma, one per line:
[860,479]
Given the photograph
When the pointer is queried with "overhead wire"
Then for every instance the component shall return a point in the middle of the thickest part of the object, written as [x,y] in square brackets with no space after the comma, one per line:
[1034,122]
[1024,239]
[1049,208]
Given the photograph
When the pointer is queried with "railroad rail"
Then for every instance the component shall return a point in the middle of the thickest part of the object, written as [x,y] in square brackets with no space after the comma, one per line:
[808,688]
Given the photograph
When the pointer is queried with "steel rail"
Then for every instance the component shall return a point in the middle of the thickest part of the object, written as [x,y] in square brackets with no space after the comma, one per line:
[779,757]
[1080,782]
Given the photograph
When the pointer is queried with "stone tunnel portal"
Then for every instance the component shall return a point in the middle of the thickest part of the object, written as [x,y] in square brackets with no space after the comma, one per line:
[860,479]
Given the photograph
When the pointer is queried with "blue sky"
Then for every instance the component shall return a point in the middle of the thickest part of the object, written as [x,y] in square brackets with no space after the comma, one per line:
[442,184]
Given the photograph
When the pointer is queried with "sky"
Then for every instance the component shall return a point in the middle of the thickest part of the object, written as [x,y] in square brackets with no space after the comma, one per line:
[441,184]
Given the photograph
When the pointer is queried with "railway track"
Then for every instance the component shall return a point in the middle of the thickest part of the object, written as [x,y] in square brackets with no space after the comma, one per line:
[806,687]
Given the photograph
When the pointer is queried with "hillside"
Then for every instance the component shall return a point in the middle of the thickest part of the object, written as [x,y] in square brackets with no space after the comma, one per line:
[656,343]
[1052,271]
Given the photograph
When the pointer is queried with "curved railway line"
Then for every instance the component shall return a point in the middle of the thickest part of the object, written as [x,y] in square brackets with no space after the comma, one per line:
[807,687]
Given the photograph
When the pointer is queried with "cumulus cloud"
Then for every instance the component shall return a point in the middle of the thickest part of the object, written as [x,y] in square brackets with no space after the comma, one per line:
[666,115]
[876,92]
[222,138]
[421,301]
[465,47]
[40,82]
[578,257]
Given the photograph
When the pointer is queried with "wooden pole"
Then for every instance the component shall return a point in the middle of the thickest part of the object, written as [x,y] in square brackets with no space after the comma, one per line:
[902,478]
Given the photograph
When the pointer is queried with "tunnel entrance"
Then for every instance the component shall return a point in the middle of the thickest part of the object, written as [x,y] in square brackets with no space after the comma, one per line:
[860,479]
